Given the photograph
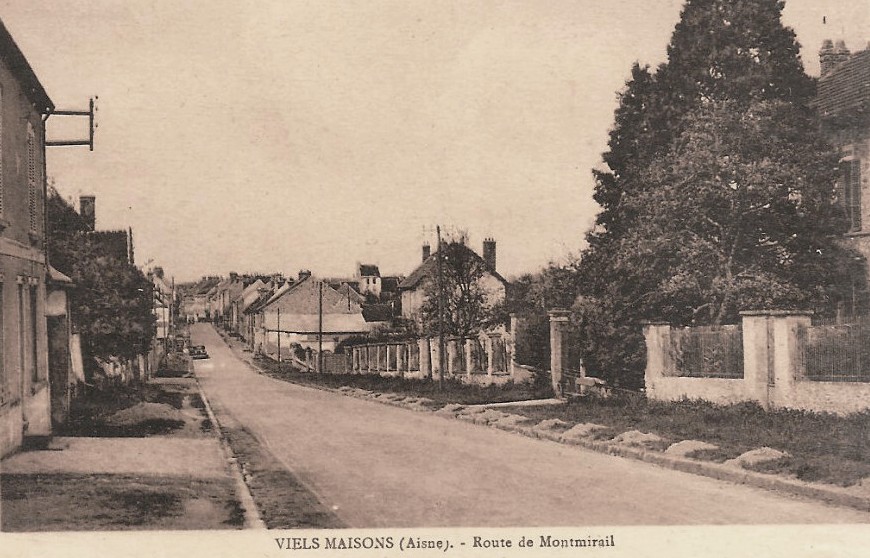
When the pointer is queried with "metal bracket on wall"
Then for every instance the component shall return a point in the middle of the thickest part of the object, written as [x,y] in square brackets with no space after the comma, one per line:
[90,113]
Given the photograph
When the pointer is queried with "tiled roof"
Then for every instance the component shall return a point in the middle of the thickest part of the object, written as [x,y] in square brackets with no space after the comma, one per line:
[846,87]
[377,312]
[347,291]
[428,269]
[369,270]
[205,285]
[390,284]
[304,298]
[19,66]
[423,271]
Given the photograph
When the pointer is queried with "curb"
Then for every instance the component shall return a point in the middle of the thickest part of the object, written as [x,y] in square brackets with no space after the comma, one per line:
[828,494]
[252,514]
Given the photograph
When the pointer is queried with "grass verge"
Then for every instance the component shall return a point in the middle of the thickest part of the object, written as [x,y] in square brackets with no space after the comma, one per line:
[823,447]
[283,501]
[453,391]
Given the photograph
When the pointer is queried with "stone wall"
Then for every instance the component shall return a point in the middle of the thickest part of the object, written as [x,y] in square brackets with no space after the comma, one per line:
[773,372]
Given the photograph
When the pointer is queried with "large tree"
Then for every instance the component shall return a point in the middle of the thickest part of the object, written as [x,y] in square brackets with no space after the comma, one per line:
[111,300]
[468,303]
[717,194]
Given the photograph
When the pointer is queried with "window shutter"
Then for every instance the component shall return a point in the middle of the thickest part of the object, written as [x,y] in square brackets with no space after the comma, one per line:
[855,186]
[31,175]
[1,152]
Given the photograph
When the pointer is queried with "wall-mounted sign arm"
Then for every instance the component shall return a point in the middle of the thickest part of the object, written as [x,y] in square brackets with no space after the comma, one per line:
[90,114]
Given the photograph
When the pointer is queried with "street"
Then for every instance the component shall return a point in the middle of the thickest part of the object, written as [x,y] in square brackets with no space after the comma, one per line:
[381,466]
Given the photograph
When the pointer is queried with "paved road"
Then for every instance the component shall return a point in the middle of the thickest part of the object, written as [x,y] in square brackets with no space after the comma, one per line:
[381,466]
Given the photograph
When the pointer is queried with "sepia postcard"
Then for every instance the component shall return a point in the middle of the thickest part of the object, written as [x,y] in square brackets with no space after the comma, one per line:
[457,277]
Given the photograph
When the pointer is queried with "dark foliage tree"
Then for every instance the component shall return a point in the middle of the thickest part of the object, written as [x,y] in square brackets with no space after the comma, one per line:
[469,306]
[111,301]
[717,194]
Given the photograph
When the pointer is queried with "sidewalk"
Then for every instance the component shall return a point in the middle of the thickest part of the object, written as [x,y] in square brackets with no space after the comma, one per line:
[153,464]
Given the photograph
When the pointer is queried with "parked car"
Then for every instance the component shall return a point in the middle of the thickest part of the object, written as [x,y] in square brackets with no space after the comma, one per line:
[198,352]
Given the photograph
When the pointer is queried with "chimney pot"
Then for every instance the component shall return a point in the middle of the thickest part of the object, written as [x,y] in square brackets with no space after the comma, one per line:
[489,253]
[831,55]
[427,251]
[88,211]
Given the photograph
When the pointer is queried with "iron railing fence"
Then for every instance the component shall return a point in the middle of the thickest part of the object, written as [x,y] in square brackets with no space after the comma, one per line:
[835,352]
[708,351]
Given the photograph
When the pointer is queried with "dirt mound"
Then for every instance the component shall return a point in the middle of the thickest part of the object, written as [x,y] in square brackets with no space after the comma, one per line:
[145,412]
[638,438]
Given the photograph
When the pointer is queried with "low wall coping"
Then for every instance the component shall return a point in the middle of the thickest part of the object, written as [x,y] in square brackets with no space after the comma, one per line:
[776,313]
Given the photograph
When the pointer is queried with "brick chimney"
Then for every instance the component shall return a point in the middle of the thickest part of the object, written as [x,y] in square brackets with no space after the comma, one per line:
[489,253]
[88,211]
[427,251]
[831,55]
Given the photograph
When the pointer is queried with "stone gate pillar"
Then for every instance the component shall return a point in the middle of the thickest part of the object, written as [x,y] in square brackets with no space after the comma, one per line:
[425,358]
[558,323]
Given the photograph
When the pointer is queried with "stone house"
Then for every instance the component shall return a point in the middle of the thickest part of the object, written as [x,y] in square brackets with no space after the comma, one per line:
[843,102]
[298,313]
[25,400]
[412,289]
[368,277]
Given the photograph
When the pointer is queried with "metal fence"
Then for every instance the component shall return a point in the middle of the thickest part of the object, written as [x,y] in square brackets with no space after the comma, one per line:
[708,352]
[335,363]
[835,352]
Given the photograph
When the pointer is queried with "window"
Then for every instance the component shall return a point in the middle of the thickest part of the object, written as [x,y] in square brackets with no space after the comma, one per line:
[4,388]
[34,360]
[1,152]
[850,184]
[31,176]
[22,327]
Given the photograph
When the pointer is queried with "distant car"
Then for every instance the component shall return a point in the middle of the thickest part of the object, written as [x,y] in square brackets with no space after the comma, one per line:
[198,352]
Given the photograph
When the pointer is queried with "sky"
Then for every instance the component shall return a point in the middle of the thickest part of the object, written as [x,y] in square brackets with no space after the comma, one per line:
[276,135]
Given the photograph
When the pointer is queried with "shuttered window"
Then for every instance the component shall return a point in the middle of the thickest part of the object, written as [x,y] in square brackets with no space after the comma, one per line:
[4,380]
[31,176]
[1,152]
[34,336]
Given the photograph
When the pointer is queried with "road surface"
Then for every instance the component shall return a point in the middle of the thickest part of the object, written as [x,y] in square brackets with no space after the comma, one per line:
[382,466]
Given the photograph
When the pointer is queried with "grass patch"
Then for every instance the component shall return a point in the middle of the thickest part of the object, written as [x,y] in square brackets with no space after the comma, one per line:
[818,468]
[824,447]
[454,391]
[282,500]
[718,455]
[206,425]
[86,502]
[174,365]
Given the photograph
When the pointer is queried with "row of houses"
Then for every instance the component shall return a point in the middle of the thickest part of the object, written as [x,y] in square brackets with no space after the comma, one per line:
[275,314]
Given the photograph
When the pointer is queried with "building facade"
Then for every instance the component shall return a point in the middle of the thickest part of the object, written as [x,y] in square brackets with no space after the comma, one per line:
[843,102]
[413,288]
[25,400]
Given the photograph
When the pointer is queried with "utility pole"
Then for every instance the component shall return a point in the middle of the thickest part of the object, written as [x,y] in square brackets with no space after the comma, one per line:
[279,335]
[320,326]
[442,350]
